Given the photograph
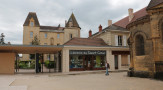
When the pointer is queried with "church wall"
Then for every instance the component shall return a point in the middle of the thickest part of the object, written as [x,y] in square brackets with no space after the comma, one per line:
[143,65]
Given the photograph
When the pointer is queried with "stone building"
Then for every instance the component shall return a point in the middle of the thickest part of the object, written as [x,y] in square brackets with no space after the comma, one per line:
[48,35]
[146,41]
[115,36]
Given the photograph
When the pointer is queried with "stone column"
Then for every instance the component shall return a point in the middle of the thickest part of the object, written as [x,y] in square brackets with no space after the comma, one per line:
[110,59]
[57,62]
[119,62]
[65,60]
[37,63]
[128,60]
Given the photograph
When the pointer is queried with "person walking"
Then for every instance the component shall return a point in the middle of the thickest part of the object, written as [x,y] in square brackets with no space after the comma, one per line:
[107,67]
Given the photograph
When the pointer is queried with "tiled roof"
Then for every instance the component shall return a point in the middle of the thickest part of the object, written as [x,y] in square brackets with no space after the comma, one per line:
[51,28]
[154,3]
[125,21]
[73,20]
[86,42]
[112,27]
[34,16]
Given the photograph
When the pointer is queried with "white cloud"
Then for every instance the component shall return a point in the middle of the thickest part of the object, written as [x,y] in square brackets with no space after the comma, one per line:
[89,14]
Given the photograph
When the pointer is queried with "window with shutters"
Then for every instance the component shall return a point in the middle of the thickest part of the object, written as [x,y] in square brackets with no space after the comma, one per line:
[139,44]
[119,40]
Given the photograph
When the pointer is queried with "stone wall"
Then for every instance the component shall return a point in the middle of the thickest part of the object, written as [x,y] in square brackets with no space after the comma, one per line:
[151,30]
[7,63]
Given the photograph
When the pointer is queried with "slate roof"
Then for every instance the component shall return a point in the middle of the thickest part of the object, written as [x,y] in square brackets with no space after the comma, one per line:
[86,42]
[112,27]
[154,3]
[125,21]
[34,16]
[73,20]
[51,28]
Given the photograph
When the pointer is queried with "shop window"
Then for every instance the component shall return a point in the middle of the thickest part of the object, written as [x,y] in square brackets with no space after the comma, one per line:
[99,62]
[76,61]
[139,44]
[31,34]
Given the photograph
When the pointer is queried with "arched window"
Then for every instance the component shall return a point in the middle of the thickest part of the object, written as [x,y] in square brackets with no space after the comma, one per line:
[139,44]
[51,41]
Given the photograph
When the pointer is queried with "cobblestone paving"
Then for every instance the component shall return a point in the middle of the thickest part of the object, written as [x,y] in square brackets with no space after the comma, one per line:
[115,81]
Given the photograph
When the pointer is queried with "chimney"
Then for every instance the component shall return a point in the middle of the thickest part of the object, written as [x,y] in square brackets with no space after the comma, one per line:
[100,28]
[109,22]
[130,14]
[90,33]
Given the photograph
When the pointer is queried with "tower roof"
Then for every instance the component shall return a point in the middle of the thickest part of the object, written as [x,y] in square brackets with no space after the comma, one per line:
[73,20]
[154,3]
[31,15]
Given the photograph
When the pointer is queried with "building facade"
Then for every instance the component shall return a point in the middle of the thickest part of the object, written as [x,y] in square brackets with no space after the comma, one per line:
[80,54]
[48,35]
[146,42]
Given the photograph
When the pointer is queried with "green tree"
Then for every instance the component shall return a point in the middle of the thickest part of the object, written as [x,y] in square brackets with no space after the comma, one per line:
[35,41]
[2,39]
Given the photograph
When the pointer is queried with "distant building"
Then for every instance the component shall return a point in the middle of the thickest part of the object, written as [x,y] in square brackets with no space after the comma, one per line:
[116,39]
[146,41]
[48,35]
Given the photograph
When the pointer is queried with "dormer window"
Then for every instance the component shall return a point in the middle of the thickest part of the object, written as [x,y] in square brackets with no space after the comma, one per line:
[70,36]
[31,23]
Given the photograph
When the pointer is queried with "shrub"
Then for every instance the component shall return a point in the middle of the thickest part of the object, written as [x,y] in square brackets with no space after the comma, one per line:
[49,64]
[25,64]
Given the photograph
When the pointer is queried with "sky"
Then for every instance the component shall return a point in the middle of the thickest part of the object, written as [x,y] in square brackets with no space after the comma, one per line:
[89,14]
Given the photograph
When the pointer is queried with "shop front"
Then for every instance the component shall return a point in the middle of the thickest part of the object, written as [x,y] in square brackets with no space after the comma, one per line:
[81,60]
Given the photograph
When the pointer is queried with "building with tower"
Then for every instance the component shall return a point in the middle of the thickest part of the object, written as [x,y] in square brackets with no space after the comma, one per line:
[48,35]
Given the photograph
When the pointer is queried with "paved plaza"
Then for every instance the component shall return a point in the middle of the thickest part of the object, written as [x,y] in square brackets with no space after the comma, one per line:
[97,81]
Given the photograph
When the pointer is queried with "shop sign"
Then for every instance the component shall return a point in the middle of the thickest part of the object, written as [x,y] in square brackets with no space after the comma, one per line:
[87,52]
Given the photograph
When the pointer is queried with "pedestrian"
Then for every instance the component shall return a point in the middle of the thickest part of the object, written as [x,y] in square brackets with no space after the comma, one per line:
[107,67]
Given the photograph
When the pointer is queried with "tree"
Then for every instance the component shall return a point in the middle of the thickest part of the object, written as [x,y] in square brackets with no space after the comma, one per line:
[35,41]
[2,39]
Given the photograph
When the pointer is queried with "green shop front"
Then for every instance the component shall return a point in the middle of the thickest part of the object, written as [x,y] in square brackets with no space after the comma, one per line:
[81,60]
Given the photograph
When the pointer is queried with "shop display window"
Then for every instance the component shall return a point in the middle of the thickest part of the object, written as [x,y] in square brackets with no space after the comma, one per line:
[76,61]
[99,62]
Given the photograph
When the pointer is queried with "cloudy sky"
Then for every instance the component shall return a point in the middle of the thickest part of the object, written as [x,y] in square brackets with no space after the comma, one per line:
[89,14]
